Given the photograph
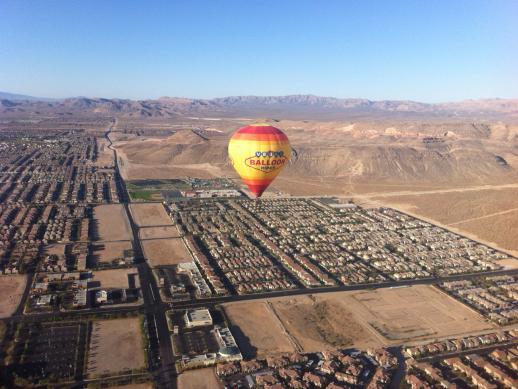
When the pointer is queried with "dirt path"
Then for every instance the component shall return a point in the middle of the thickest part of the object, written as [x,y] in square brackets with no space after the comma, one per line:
[296,345]
[484,216]
[437,191]
[454,229]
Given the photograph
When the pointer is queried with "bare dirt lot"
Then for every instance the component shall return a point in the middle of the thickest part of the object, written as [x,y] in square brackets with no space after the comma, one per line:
[165,251]
[115,345]
[257,330]
[55,249]
[413,313]
[11,293]
[112,223]
[322,322]
[105,155]
[350,319]
[159,232]
[199,378]
[114,278]
[151,214]
[147,385]
[487,213]
[108,251]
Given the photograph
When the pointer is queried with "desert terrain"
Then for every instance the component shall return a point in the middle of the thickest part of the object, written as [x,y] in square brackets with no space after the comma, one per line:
[55,249]
[200,378]
[159,232]
[459,173]
[150,215]
[407,314]
[108,251]
[11,292]
[147,385]
[115,345]
[257,330]
[112,223]
[165,251]
[361,319]
[114,278]
[105,156]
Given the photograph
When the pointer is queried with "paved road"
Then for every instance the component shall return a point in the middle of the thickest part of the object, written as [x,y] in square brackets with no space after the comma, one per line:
[342,288]
[478,350]
[165,375]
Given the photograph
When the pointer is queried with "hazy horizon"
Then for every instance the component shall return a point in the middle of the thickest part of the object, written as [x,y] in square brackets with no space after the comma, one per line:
[249,95]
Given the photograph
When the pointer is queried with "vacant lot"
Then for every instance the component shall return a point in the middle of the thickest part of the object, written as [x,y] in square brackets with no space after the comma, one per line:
[115,345]
[487,214]
[165,251]
[199,378]
[114,278]
[322,322]
[159,232]
[349,319]
[152,214]
[257,329]
[413,313]
[55,249]
[108,251]
[11,293]
[105,155]
[147,385]
[112,223]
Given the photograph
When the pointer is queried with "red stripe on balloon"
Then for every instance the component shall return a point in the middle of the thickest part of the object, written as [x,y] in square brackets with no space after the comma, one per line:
[257,187]
[257,190]
[260,137]
[257,181]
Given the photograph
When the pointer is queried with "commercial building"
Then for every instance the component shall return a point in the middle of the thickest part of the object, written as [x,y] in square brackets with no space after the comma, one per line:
[197,318]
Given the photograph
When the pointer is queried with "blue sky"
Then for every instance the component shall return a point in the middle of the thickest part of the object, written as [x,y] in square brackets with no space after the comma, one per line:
[420,50]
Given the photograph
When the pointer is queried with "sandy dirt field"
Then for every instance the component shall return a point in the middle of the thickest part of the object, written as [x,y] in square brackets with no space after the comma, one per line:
[199,379]
[322,322]
[456,206]
[413,313]
[133,170]
[147,385]
[257,329]
[361,319]
[105,155]
[108,251]
[112,222]
[159,232]
[152,214]
[115,345]
[114,278]
[510,263]
[55,249]
[11,293]
[165,251]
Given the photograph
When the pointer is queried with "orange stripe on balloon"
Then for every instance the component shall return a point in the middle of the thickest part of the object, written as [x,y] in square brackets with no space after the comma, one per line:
[259,130]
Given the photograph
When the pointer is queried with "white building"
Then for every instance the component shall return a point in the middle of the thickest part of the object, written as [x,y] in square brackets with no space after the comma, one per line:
[101,297]
[197,318]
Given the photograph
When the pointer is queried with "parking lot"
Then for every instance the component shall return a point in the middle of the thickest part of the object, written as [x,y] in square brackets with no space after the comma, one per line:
[52,350]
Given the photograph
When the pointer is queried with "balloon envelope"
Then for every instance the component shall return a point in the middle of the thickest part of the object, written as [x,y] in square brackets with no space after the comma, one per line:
[259,152]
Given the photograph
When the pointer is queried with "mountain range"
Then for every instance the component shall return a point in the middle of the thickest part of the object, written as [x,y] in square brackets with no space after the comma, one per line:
[291,106]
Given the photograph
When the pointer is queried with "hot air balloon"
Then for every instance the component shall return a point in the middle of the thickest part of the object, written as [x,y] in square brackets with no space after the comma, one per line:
[258,153]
